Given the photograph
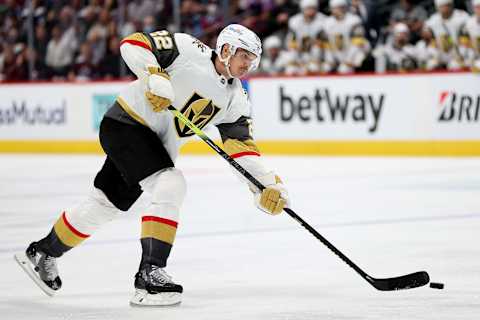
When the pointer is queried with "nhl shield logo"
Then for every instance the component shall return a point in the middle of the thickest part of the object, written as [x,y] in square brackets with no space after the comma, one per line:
[199,111]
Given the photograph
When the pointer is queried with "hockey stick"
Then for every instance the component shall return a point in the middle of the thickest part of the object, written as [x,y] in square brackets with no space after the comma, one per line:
[408,281]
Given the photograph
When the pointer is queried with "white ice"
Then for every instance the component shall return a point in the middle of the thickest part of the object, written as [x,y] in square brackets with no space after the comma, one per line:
[391,216]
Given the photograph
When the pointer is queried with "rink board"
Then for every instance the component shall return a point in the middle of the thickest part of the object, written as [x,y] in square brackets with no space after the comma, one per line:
[415,114]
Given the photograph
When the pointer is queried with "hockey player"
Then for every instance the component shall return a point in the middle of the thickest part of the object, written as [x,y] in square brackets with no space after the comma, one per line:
[142,139]
[470,39]
[274,59]
[305,39]
[445,27]
[399,54]
[346,38]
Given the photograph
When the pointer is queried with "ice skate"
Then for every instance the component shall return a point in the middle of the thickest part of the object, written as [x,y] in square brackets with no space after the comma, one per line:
[154,287]
[41,268]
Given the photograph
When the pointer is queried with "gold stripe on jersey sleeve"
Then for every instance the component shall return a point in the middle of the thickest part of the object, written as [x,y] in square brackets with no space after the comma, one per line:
[138,37]
[130,111]
[233,146]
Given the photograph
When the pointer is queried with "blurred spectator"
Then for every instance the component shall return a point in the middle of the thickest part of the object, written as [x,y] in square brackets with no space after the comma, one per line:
[412,15]
[110,64]
[346,38]
[255,17]
[273,61]
[191,15]
[60,52]
[41,41]
[470,39]
[212,17]
[40,70]
[399,55]
[128,26]
[7,61]
[315,43]
[140,9]
[277,19]
[84,67]
[149,24]
[15,63]
[97,36]
[445,26]
[305,38]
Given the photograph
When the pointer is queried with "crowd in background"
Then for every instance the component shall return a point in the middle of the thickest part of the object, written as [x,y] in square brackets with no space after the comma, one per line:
[79,39]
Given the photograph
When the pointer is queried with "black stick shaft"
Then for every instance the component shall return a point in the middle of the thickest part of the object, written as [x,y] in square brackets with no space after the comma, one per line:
[260,186]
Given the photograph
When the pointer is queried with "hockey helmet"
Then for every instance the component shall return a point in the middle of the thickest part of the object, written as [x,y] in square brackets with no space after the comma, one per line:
[439,3]
[238,36]
[400,28]
[337,3]
[272,42]
[308,3]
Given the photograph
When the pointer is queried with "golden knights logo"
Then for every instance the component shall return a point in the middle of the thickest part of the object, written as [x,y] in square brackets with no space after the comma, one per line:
[199,111]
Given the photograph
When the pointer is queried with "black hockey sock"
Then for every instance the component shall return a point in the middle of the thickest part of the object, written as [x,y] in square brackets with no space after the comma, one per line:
[52,245]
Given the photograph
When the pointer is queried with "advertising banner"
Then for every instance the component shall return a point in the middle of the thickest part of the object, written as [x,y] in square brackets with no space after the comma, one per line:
[391,107]
[54,111]
[402,114]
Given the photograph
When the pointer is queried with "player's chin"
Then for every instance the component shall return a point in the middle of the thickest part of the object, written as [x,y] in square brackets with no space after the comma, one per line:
[240,73]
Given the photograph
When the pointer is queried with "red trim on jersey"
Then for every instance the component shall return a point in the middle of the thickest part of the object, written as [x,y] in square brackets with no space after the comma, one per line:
[246,153]
[160,220]
[136,43]
[75,231]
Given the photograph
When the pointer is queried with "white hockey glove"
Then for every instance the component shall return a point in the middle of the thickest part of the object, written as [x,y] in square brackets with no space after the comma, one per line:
[274,197]
[160,91]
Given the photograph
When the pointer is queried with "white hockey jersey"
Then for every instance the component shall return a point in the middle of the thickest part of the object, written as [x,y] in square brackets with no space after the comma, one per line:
[305,42]
[346,39]
[204,96]
[395,58]
[302,34]
[446,34]
[470,40]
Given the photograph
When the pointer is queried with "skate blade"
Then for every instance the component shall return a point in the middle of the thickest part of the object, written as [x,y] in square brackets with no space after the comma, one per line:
[26,265]
[142,298]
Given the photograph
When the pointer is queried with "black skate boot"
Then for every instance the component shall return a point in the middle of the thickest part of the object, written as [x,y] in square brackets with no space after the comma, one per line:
[41,268]
[154,287]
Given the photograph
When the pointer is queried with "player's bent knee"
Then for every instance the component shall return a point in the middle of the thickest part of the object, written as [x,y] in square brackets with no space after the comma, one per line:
[92,213]
[167,187]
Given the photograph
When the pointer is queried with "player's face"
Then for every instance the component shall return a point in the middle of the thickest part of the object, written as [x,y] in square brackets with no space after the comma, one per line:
[401,38]
[445,10]
[339,12]
[241,62]
[310,12]
[477,10]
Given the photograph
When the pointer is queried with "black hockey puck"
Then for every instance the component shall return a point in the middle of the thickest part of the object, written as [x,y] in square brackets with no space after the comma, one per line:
[436,285]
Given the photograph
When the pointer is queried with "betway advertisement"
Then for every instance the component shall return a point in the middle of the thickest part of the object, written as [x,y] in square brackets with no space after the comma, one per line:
[391,107]
[45,111]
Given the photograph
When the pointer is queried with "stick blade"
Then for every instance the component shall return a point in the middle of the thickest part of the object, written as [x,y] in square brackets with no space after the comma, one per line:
[409,281]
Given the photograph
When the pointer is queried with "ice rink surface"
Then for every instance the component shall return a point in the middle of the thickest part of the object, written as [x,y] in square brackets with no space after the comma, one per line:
[391,216]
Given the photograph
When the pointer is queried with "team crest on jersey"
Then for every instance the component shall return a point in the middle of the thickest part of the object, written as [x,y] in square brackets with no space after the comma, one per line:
[198,110]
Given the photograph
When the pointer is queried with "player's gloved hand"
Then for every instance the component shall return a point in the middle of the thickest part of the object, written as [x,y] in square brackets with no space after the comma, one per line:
[274,197]
[160,91]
